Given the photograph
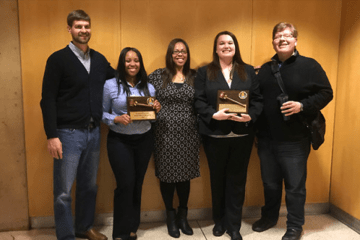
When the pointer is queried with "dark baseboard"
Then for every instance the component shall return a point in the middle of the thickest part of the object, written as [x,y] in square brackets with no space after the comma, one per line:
[345,218]
[106,219]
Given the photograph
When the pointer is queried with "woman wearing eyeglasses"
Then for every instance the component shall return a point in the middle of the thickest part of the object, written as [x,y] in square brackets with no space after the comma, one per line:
[176,137]
[227,137]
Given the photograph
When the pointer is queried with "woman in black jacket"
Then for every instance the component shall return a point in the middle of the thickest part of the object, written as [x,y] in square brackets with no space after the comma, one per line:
[227,137]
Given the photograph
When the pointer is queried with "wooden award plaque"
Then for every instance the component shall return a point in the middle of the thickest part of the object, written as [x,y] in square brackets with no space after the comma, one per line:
[237,101]
[141,108]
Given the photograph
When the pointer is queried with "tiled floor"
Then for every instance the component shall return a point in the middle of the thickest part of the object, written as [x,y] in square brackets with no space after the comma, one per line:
[319,227]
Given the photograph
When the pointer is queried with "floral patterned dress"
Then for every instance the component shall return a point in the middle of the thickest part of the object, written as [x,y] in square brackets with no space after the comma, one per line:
[177,140]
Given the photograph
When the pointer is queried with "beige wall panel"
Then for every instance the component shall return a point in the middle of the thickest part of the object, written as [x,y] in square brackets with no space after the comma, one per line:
[13,187]
[43,31]
[345,188]
[149,25]
[318,23]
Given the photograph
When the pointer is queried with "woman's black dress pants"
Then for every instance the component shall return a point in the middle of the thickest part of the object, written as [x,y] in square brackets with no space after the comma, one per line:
[228,160]
[129,156]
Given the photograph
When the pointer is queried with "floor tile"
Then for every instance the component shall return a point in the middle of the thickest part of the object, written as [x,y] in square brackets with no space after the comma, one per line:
[317,227]
[152,231]
[320,227]
[5,236]
[35,234]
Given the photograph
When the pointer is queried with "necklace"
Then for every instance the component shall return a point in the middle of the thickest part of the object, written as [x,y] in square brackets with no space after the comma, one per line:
[228,74]
[179,79]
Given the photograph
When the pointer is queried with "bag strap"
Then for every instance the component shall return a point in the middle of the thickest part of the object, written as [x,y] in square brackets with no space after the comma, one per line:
[275,70]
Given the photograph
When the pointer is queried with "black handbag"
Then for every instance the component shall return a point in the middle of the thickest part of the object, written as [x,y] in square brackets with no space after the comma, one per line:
[317,126]
[317,129]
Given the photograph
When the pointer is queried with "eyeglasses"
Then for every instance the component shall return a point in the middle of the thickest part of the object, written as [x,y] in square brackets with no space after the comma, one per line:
[177,52]
[284,36]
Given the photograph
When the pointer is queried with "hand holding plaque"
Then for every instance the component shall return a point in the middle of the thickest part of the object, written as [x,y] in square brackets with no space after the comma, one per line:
[141,108]
[237,101]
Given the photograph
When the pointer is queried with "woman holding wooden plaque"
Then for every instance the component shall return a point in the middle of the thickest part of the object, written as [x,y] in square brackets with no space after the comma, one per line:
[177,140]
[129,142]
[228,101]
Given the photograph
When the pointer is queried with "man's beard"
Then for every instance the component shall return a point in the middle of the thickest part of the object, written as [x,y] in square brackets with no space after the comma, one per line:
[79,39]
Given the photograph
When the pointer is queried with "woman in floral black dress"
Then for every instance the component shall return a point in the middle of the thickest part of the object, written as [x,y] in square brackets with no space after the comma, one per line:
[176,137]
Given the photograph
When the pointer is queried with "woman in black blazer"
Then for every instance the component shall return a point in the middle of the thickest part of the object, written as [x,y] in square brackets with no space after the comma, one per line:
[227,137]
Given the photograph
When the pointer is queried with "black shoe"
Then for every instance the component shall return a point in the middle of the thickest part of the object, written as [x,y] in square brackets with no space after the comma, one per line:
[262,224]
[218,230]
[235,235]
[133,237]
[292,234]
[182,222]
[173,229]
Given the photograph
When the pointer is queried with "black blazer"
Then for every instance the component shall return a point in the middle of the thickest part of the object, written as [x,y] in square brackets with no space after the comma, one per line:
[206,99]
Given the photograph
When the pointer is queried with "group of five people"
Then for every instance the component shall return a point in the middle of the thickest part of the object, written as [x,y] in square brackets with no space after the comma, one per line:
[80,89]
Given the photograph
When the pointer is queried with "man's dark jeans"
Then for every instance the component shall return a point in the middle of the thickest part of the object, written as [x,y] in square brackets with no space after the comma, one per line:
[284,161]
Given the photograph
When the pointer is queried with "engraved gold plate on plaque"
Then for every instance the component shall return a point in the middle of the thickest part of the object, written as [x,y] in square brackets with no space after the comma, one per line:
[141,108]
[237,101]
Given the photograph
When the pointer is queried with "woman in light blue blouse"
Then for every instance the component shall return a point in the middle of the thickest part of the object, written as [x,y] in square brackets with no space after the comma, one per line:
[129,143]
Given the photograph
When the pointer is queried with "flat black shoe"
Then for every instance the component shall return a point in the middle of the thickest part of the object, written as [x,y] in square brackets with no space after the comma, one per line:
[218,230]
[262,224]
[235,235]
[292,234]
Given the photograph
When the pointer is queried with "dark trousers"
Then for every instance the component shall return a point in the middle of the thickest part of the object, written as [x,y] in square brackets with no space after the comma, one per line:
[129,156]
[284,161]
[228,160]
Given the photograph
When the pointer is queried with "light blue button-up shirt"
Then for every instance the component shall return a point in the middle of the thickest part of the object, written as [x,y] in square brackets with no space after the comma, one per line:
[114,104]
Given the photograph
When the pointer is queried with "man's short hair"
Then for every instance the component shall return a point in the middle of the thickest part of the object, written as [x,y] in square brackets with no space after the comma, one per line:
[77,15]
[283,25]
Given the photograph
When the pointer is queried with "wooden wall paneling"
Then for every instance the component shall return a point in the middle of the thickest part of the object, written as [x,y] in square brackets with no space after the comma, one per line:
[345,190]
[13,185]
[149,26]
